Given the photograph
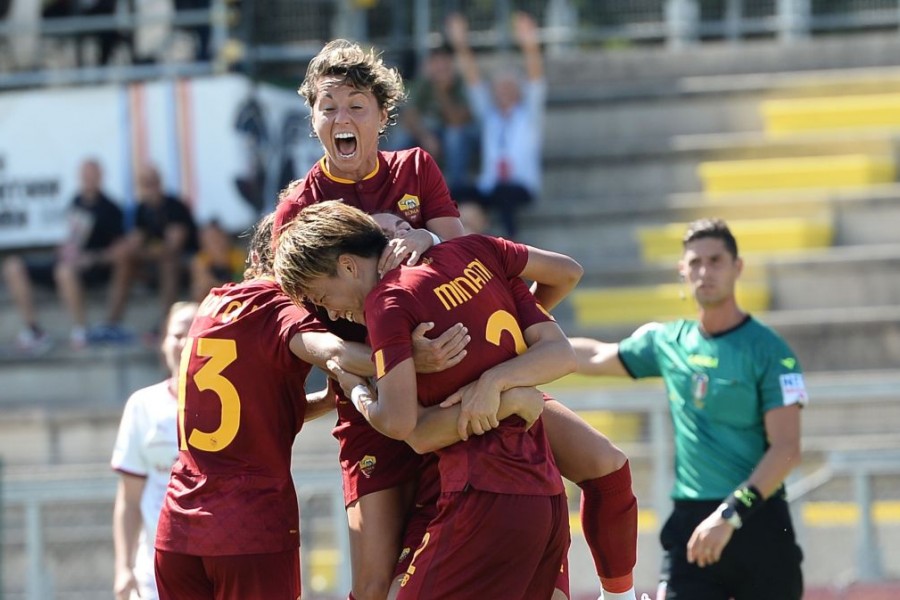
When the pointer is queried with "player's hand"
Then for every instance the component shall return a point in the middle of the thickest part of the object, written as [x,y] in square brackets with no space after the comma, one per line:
[125,584]
[441,353]
[709,540]
[346,380]
[480,402]
[527,402]
[409,247]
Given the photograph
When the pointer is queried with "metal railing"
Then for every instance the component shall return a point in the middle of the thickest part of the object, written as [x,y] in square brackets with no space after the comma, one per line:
[33,497]
[254,35]
[37,493]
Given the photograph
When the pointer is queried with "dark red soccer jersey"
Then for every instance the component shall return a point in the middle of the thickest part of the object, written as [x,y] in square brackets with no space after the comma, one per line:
[466,280]
[407,183]
[242,402]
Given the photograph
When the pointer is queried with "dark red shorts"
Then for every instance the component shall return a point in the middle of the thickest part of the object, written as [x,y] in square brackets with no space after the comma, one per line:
[371,462]
[468,548]
[273,576]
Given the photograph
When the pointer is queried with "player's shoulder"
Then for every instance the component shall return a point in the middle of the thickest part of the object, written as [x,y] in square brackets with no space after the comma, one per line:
[416,157]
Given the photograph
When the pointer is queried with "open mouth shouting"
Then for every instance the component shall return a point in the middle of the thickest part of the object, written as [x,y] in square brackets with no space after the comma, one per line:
[345,144]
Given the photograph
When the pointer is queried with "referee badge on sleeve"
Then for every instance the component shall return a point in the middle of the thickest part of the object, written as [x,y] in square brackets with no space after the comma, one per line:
[793,389]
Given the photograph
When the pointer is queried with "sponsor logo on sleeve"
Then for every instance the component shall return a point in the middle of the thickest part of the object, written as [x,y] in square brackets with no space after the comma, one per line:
[793,390]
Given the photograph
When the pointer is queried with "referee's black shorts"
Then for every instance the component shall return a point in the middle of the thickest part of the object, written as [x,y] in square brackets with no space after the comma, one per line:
[762,559]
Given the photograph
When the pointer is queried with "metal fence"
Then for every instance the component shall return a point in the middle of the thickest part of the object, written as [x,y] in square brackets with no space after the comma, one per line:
[252,35]
[57,538]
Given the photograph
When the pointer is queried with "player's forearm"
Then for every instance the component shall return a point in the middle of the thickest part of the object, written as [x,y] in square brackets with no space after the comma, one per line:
[319,403]
[437,427]
[317,348]
[542,363]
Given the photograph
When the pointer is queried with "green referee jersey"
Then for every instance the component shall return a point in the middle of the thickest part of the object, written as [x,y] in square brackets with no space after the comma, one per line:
[719,388]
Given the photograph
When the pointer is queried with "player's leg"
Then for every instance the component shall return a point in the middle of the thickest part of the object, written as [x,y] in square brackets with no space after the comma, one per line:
[552,572]
[468,549]
[376,523]
[608,505]
[273,575]
[182,577]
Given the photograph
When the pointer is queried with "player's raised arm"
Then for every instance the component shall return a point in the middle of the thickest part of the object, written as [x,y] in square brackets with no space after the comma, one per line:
[554,275]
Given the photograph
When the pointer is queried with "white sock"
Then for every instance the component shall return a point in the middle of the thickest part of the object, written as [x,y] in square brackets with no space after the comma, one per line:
[629,595]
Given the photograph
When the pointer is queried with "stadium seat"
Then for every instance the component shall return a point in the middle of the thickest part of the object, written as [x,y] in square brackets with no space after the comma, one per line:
[755,235]
[841,171]
[800,115]
[607,306]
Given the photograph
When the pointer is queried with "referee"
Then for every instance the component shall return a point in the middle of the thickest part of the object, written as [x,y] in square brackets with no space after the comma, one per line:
[735,391]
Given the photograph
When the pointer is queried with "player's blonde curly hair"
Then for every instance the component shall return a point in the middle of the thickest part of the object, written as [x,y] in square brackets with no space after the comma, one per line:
[363,69]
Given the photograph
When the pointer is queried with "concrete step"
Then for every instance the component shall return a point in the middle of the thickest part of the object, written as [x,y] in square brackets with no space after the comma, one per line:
[769,236]
[72,433]
[828,172]
[142,314]
[826,339]
[95,376]
[787,116]
[662,302]
[603,235]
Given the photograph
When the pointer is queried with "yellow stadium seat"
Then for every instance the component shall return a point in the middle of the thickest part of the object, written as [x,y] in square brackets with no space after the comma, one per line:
[799,115]
[841,171]
[607,306]
[753,235]
[323,563]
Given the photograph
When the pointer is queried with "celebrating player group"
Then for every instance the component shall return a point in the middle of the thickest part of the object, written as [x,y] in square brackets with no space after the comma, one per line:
[452,460]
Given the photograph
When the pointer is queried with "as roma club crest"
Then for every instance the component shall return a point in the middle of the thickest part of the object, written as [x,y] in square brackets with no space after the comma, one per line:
[699,388]
[367,465]
[409,207]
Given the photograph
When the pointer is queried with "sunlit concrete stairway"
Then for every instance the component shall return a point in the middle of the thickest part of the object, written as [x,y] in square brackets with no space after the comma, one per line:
[814,211]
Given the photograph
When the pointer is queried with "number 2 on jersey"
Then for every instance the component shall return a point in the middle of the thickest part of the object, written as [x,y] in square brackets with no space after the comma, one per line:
[221,353]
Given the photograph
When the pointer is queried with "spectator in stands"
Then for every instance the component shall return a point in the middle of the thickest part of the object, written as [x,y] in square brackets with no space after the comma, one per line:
[438,119]
[735,390]
[511,118]
[108,39]
[218,262]
[93,244]
[146,448]
[159,248]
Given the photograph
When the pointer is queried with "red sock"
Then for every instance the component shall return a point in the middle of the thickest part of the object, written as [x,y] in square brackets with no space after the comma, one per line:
[609,522]
[350,596]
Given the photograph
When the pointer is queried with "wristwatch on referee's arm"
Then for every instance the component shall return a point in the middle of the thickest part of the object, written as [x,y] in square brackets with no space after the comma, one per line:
[730,515]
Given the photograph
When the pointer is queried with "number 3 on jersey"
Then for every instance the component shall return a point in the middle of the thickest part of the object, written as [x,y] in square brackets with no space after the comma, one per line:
[221,353]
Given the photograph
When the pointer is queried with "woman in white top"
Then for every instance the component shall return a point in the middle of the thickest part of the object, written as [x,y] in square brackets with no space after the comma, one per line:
[146,448]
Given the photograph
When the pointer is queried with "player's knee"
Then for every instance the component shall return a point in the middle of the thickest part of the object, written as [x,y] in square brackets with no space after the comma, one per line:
[372,588]
[606,459]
